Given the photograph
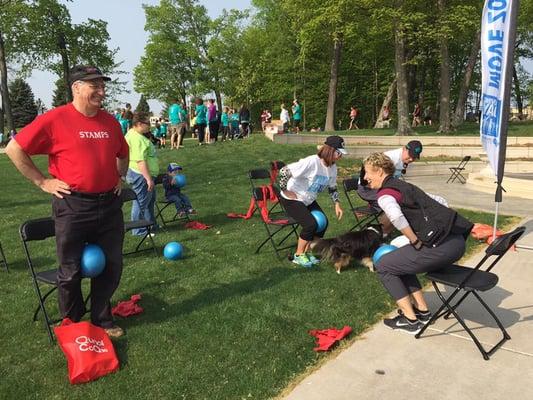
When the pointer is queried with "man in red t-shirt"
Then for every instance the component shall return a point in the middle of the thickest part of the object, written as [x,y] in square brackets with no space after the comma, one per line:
[87,155]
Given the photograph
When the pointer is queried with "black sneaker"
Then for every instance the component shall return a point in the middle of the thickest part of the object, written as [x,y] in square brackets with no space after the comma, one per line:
[422,316]
[402,323]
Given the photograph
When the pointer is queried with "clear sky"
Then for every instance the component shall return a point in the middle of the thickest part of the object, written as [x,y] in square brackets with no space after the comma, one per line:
[125,20]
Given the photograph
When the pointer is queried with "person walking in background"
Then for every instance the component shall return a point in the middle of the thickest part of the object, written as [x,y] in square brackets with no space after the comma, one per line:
[266,118]
[417,112]
[174,119]
[86,205]
[143,168]
[285,118]
[234,121]
[296,116]
[354,113]
[201,120]
[225,123]
[213,121]
[244,120]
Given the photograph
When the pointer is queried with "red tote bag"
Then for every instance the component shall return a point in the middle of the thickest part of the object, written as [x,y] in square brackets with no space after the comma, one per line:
[88,349]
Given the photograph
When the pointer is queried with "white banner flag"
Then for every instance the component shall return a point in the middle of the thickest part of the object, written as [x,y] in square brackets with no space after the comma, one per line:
[495,51]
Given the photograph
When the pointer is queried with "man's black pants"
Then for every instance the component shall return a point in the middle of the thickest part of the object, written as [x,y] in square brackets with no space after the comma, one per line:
[80,220]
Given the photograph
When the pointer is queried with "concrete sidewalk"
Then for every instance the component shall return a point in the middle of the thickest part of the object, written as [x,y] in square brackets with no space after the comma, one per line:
[445,363]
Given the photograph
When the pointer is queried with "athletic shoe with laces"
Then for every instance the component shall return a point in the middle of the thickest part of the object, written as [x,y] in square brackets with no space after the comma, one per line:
[313,259]
[302,260]
[422,316]
[400,322]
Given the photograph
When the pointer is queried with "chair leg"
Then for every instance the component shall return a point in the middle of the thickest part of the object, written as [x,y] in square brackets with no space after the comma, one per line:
[4,260]
[452,309]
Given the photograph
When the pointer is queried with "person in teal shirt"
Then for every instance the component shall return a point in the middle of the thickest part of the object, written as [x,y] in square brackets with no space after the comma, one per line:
[296,116]
[174,118]
[201,119]
[234,119]
[225,123]
[163,131]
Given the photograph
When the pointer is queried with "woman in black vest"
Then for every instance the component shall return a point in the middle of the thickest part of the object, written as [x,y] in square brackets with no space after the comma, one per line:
[437,236]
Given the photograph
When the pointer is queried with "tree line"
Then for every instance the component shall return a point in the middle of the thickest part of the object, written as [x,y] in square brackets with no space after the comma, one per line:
[40,35]
[329,54]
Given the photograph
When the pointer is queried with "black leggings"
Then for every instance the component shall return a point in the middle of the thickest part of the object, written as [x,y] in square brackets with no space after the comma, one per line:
[201,132]
[302,214]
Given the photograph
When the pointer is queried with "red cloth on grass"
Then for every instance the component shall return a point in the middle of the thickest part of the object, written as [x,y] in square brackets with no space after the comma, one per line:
[326,338]
[197,225]
[128,308]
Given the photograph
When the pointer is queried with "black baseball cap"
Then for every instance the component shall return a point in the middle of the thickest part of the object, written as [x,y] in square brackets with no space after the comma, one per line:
[414,147]
[86,73]
[337,143]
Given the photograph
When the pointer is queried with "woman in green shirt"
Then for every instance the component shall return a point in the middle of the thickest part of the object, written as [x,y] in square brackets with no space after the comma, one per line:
[201,120]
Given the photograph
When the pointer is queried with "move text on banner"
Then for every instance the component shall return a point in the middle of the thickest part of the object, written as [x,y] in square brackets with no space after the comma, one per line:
[495,51]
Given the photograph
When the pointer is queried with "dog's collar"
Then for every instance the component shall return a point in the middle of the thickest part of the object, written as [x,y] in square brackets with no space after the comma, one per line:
[371,228]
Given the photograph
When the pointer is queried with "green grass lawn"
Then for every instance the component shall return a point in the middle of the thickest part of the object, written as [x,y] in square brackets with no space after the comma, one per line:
[223,323]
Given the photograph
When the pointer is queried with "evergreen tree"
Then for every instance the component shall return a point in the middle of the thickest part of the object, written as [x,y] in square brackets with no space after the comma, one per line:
[22,103]
[60,93]
[143,105]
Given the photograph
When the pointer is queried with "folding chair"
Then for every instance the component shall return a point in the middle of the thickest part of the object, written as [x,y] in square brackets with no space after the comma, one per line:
[279,222]
[128,194]
[364,215]
[3,260]
[471,281]
[164,204]
[457,172]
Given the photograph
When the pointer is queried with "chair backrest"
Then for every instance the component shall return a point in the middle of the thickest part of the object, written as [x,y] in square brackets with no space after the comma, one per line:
[464,161]
[159,179]
[277,165]
[37,229]
[259,173]
[350,184]
[503,243]
[127,194]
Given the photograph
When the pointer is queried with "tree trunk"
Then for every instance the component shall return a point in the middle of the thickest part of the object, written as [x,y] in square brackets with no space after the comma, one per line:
[219,99]
[459,113]
[2,126]
[444,100]
[6,103]
[386,103]
[404,128]
[518,94]
[333,79]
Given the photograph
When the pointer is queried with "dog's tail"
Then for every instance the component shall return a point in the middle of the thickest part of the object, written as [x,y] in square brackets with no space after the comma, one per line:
[325,248]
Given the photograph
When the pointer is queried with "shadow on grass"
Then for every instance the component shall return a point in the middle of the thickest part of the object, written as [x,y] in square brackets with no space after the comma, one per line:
[157,309]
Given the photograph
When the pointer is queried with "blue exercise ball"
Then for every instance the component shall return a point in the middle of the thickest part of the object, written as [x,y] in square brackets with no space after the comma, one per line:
[381,251]
[92,261]
[173,251]
[180,180]
[320,219]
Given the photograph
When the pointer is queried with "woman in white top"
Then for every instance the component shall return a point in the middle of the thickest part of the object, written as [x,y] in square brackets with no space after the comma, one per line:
[300,183]
[285,118]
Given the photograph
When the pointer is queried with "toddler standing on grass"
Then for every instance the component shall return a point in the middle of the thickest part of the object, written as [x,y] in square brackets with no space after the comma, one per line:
[173,192]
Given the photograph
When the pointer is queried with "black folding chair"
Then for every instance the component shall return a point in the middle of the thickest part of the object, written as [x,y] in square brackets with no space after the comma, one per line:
[279,223]
[457,172]
[162,203]
[471,281]
[364,215]
[32,230]
[3,260]
[128,194]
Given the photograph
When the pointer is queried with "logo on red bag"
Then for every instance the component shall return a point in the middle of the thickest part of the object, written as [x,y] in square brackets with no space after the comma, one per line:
[90,344]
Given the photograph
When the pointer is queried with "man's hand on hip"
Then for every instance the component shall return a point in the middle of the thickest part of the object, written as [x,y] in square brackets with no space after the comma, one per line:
[55,187]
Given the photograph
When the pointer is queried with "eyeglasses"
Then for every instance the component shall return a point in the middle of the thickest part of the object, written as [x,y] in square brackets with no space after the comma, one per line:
[404,169]
[95,86]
